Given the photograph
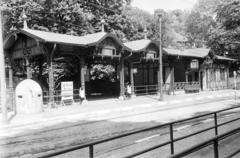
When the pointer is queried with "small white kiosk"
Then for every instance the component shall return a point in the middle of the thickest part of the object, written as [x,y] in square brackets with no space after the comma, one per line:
[28,97]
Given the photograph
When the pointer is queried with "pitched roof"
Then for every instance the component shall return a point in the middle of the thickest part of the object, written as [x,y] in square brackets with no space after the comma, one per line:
[139,45]
[194,52]
[84,41]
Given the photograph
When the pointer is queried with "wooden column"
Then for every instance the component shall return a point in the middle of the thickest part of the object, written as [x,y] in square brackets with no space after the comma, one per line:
[186,76]
[148,76]
[207,80]
[122,87]
[82,74]
[200,79]
[29,73]
[50,81]
[51,77]
[227,76]
[172,77]
[10,79]
[132,78]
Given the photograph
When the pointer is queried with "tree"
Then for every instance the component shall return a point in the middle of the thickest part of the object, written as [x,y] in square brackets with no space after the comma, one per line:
[198,25]
[225,37]
[207,7]
[67,16]
[177,20]
[138,19]
[64,16]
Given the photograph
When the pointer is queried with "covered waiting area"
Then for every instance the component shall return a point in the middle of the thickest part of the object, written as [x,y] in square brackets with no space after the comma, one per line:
[27,48]
[27,45]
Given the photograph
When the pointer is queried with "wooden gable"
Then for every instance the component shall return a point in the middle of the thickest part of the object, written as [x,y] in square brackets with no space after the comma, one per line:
[109,47]
[24,46]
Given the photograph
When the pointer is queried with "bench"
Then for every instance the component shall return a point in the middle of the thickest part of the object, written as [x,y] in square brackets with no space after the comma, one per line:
[192,89]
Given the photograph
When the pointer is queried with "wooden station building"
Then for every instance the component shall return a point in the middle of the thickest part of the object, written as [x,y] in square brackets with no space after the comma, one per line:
[136,63]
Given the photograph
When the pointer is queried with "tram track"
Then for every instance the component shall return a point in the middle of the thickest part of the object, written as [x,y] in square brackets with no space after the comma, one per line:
[154,136]
[53,136]
[155,108]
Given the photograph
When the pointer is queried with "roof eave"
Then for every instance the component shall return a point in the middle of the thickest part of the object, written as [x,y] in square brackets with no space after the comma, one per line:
[32,36]
[190,56]
[46,41]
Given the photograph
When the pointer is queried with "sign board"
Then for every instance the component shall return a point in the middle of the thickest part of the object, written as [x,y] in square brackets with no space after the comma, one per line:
[67,91]
[194,64]
[135,70]
[108,52]
[151,54]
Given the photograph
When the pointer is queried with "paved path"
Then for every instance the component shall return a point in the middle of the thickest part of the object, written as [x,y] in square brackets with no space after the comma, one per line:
[104,109]
[48,131]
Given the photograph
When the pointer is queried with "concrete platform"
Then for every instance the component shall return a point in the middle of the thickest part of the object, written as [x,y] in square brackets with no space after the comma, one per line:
[105,107]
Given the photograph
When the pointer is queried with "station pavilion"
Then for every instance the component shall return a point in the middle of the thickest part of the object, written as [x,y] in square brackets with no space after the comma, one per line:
[136,62]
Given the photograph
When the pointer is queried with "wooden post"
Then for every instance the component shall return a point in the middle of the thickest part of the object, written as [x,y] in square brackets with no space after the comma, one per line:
[3,89]
[122,87]
[50,82]
[10,79]
[51,77]
[10,87]
[172,78]
[200,79]
[132,79]
[82,74]
[207,80]
[186,76]
[227,77]
[29,73]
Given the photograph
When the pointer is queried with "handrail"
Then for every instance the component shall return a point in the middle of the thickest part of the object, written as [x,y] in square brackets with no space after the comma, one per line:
[208,142]
[170,124]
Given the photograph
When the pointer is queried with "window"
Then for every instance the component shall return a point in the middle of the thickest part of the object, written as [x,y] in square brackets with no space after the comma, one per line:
[151,54]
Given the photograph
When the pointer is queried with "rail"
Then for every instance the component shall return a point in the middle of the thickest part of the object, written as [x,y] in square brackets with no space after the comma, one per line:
[167,88]
[170,142]
[182,85]
[58,95]
[213,141]
[146,89]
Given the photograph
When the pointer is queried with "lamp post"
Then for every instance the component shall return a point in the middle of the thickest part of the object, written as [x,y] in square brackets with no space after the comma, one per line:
[160,59]
[2,76]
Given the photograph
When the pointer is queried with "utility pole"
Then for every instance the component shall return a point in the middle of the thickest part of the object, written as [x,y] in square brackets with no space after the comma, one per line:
[160,91]
[2,76]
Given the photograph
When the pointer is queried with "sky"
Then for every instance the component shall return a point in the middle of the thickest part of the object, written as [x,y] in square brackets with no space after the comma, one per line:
[151,5]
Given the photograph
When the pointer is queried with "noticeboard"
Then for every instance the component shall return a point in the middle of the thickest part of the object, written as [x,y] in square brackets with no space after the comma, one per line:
[194,64]
[67,91]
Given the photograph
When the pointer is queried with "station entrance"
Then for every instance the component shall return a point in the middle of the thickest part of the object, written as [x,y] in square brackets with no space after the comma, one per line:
[102,78]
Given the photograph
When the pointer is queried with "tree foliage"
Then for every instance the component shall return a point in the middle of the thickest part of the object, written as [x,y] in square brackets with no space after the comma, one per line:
[64,16]
[78,17]
[103,72]
[198,25]
[139,20]
[225,37]
[207,7]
